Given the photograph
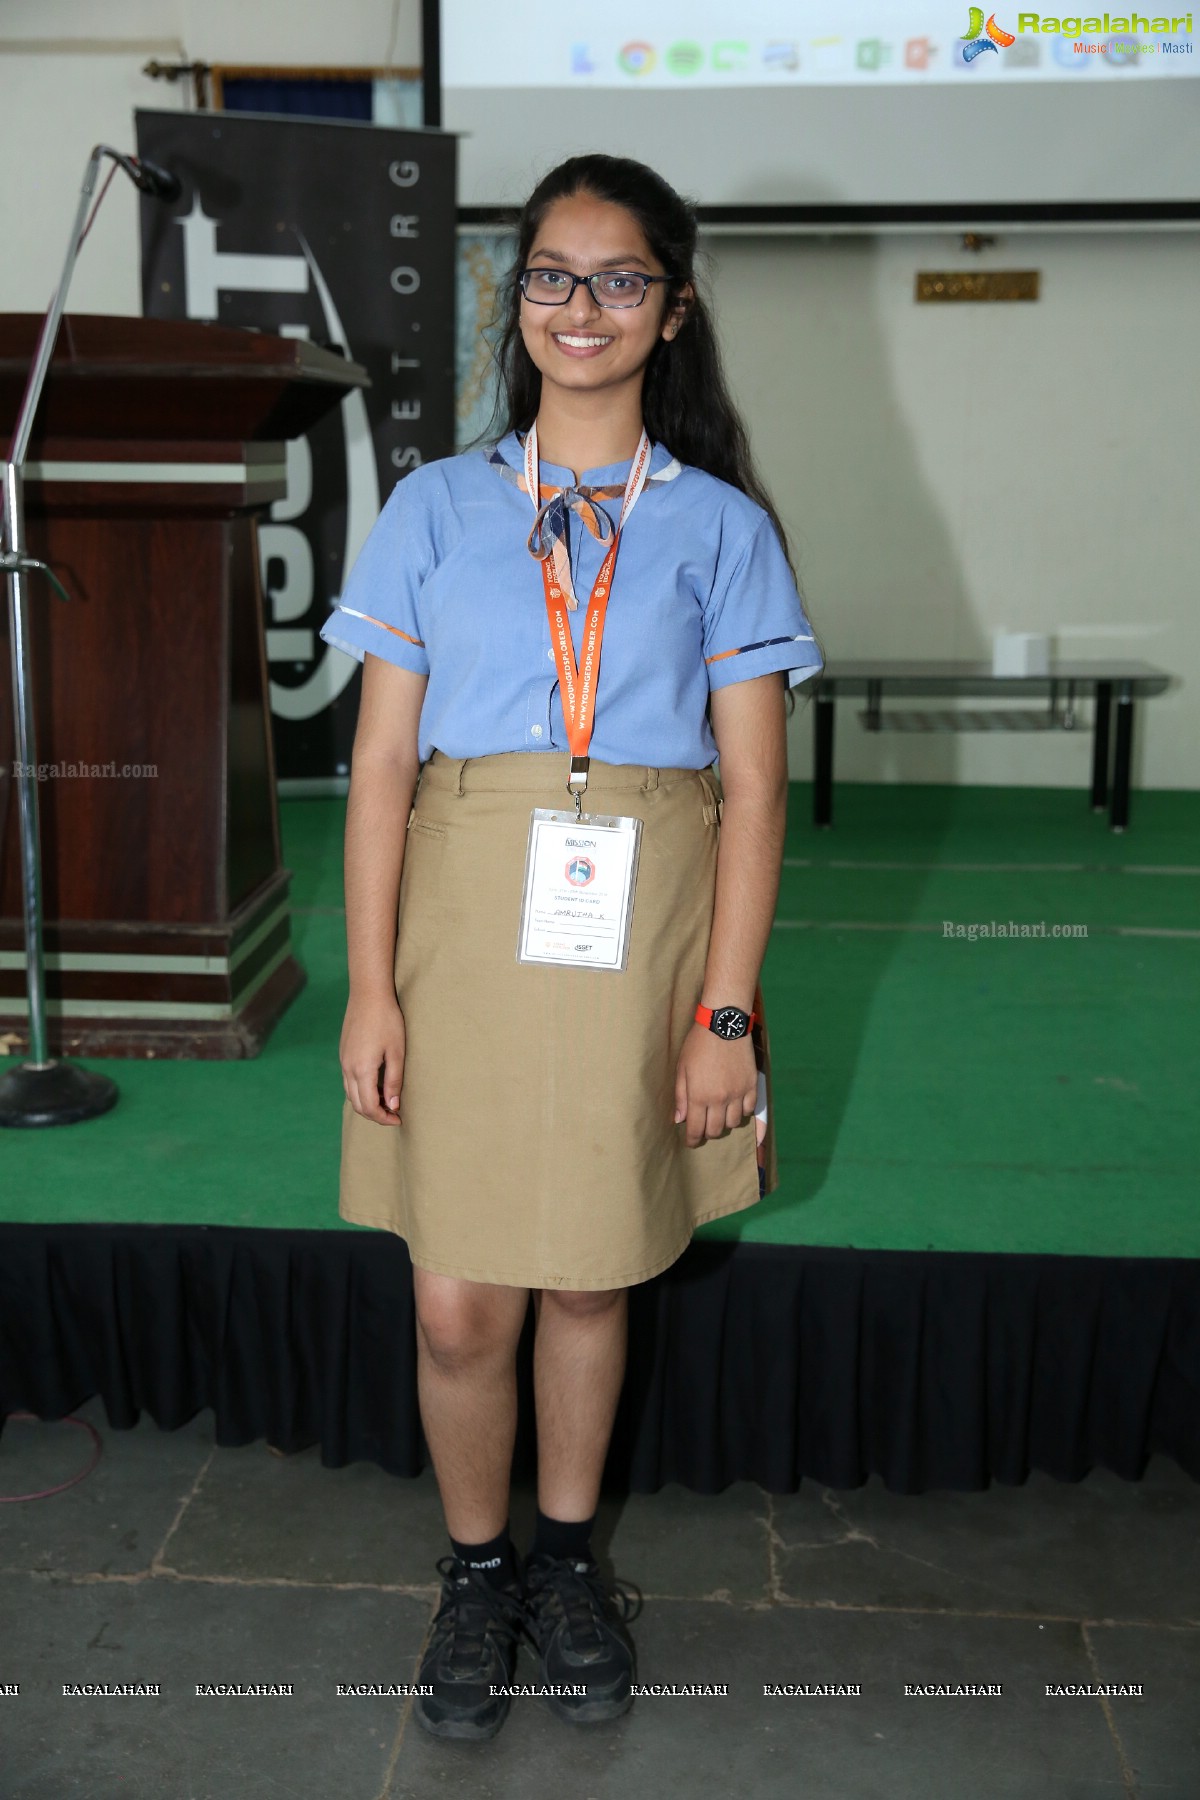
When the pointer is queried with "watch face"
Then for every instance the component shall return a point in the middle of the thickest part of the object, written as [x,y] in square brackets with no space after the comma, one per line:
[730,1022]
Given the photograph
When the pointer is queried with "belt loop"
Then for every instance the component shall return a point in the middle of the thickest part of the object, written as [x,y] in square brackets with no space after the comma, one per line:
[651,781]
[714,810]
[462,766]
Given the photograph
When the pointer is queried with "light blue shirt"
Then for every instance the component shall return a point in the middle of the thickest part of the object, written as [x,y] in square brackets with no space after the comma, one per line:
[702,597]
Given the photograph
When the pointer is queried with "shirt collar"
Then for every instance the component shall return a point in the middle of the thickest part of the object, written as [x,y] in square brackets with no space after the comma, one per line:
[511,451]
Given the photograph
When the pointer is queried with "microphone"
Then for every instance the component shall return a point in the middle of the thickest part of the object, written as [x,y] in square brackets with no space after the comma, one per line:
[151,178]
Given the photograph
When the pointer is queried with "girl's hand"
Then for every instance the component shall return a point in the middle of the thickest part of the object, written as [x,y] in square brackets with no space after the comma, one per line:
[716,1084]
[373,1042]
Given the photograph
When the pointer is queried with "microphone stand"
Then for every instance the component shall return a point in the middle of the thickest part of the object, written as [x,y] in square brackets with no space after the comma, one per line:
[45,1090]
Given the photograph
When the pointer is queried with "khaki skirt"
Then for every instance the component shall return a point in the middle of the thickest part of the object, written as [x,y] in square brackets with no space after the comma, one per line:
[538,1146]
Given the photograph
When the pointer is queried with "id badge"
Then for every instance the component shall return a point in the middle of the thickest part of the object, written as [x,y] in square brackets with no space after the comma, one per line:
[577,902]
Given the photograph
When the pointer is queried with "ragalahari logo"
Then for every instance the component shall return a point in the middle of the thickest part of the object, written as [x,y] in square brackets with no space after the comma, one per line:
[997,37]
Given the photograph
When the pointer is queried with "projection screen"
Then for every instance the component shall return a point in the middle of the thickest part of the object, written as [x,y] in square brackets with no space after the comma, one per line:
[817,111]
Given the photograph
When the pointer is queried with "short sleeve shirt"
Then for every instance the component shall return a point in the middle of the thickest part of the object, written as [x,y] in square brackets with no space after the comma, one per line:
[445,585]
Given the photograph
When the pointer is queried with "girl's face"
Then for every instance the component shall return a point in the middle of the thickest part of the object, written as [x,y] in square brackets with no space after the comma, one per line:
[580,345]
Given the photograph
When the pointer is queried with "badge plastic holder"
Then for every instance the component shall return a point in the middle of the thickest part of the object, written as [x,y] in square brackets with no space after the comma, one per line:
[562,924]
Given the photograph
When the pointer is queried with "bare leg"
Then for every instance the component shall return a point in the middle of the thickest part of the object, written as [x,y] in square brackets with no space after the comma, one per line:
[467,1335]
[578,1371]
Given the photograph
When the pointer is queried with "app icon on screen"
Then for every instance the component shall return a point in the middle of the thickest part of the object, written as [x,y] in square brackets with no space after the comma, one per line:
[779,54]
[1067,57]
[1026,53]
[637,58]
[729,55]
[684,58]
[829,56]
[872,53]
[1122,53]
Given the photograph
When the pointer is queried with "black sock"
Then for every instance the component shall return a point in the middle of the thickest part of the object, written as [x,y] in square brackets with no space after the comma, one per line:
[562,1537]
[494,1560]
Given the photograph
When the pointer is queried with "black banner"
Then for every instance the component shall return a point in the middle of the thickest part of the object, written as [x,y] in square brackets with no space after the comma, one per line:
[342,233]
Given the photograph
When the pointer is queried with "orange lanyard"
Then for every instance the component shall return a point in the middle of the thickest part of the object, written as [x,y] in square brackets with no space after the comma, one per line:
[577,680]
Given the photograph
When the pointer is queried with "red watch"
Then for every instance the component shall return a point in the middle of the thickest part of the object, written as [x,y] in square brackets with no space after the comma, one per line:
[727,1021]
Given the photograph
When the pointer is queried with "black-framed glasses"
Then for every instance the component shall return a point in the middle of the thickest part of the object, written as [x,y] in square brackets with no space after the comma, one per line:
[609,287]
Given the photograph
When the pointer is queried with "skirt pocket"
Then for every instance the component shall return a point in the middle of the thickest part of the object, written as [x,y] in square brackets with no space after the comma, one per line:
[420,878]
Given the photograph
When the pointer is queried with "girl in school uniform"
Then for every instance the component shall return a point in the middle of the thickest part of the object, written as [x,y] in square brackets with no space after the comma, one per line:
[553,1055]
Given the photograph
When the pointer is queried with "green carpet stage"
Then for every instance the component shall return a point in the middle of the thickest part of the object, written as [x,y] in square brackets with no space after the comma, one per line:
[982,1256]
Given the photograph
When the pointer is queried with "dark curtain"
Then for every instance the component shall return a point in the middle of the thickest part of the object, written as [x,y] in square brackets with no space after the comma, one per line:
[308,99]
[747,1362]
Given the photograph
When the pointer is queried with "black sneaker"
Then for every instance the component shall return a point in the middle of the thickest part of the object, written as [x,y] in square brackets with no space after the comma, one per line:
[472,1648]
[577,1621]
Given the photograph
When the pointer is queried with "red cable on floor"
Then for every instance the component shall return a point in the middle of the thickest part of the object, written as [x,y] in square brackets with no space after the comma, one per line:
[45,1494]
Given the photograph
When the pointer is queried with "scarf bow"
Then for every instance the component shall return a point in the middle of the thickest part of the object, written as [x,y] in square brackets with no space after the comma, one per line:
[550,520]
[548,538]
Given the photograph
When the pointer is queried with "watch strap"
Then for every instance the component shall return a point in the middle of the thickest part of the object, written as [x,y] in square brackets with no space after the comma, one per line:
[704,1016]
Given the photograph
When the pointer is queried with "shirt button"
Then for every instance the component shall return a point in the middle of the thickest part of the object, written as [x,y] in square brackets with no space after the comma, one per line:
[535,731]
[550,654]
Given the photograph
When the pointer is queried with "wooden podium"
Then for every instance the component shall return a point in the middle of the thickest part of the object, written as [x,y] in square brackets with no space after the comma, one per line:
[167,928]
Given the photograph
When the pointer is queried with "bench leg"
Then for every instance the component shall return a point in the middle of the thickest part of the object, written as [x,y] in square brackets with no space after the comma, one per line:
[1118,817]
[1100,746]
[823,756]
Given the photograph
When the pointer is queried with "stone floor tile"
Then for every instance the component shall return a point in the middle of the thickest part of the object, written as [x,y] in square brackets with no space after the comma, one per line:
[1160,1732]
[1099,1548]
[111,1522]
[881,1745]
[180,1746]
[289,1516]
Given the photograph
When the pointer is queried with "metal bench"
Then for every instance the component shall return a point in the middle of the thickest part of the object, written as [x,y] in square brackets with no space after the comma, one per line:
[1065,686]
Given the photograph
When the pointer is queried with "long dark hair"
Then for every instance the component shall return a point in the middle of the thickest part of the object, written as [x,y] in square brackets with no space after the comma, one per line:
[686,403]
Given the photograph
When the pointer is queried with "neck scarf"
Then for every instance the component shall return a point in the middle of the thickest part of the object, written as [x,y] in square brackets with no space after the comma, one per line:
[548,537]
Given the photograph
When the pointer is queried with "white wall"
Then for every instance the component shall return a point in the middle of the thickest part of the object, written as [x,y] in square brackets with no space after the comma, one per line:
[946,470]
[943,470]
[70,77]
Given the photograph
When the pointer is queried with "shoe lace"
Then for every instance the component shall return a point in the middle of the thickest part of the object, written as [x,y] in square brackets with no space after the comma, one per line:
[582,1592]
[470,1611]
